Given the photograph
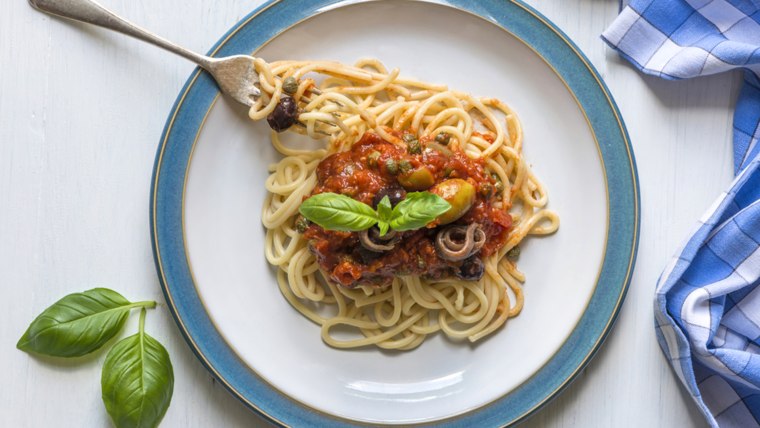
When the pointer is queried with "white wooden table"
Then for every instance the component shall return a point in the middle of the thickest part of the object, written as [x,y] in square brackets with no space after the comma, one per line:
[81,113]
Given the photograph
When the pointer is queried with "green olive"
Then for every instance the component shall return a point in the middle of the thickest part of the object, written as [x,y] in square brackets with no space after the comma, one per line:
[459,193]
[419,179]
[372,158]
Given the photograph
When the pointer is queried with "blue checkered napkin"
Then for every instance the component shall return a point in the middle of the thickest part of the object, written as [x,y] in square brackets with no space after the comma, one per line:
[707,306]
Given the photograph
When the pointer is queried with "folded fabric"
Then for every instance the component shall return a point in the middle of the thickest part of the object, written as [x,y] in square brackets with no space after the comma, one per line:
[707,303]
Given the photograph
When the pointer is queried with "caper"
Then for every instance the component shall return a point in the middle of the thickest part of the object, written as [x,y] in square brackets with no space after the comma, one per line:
[447,171]
[414,147]
[513,252]
[372,158]
[405,166]
[408,137]
[419,179]
[290,85]
[486,190]
[391,166]
[301,224]
[421,262]
[499,187]
[443,138]
[457,192]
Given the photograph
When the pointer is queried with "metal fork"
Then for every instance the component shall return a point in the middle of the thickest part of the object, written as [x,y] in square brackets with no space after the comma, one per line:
[235,75]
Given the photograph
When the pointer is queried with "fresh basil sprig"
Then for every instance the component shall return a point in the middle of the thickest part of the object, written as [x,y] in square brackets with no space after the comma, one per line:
[340,212]
[137,378]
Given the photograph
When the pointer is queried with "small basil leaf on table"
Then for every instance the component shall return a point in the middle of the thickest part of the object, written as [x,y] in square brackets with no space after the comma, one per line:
[417,210]
[338,212]
[137,381]
[78,323]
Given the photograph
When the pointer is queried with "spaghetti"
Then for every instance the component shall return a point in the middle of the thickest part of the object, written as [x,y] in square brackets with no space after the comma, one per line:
[347,103]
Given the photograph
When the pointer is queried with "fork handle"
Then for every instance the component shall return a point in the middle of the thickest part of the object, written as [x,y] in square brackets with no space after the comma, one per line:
[92,13]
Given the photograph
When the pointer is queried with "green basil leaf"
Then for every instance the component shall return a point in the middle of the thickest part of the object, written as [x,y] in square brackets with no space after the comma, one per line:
[417,210]
[77,324]
[338,212]
[383,226]
[384,209]
[137,382]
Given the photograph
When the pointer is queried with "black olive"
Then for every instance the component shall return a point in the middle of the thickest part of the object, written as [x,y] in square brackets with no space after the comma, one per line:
[395,194]
[284,115]
[472,269]
[366,256]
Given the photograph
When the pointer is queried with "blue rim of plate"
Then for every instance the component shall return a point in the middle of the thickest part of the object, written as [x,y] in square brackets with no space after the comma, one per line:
[167,196]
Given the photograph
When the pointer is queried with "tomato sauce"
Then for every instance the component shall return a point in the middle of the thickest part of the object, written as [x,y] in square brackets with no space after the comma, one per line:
[361,173]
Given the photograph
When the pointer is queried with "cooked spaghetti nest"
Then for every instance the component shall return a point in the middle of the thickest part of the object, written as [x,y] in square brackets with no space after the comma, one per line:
[339,103]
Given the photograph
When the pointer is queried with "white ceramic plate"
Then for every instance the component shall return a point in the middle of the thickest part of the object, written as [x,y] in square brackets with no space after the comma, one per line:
[223,194]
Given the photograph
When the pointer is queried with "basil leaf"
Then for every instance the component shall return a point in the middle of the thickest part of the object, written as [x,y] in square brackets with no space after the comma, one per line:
[338,212]
[384,209]
[383,226]
[417,210]
[137,382]
[78,323]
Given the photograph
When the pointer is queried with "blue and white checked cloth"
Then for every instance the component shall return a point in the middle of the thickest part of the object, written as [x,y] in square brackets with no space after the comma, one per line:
[707,306]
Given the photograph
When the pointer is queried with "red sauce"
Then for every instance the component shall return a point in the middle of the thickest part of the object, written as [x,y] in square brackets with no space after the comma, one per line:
[361,175]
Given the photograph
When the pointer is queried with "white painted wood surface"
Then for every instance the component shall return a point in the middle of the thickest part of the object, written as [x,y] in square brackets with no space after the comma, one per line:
[81,112]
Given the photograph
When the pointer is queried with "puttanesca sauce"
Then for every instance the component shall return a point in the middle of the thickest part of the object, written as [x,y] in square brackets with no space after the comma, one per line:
[361,174]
